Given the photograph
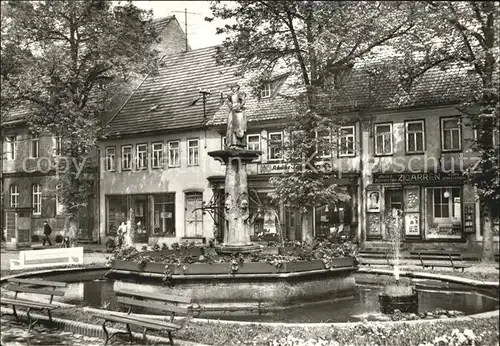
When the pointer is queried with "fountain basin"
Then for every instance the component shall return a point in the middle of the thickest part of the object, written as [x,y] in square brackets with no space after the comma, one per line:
[398,298]
[219,286]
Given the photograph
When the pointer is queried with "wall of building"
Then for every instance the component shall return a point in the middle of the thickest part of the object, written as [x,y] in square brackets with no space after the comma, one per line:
[178,180]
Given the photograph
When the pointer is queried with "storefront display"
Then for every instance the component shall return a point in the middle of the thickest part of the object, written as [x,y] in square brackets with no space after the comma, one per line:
[412,224]
[373,222]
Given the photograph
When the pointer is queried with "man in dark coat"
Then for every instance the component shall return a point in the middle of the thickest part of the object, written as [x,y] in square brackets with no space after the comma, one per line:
[47,230]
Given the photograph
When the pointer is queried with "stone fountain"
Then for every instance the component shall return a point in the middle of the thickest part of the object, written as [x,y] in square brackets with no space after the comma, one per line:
[236,158]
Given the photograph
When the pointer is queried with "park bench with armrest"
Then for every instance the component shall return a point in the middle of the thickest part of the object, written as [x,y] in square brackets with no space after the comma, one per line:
[132,299]
[446,259]
[39,287]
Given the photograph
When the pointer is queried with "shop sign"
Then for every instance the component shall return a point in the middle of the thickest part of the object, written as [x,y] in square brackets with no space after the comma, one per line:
[418,178]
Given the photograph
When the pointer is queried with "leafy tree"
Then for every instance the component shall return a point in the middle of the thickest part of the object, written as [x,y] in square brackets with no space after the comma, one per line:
[466,34]
[319,41]
[62,61]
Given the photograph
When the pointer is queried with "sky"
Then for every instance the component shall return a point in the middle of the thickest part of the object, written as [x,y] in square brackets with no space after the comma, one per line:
[200,33]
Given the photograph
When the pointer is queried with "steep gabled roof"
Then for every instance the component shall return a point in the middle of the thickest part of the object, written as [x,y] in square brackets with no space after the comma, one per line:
[159,24]
[163,101]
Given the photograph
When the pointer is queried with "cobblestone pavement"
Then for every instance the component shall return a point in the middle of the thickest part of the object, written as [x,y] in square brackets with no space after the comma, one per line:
[16,334]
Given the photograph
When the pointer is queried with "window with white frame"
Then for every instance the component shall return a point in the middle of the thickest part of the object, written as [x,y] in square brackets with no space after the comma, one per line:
[157,155]
[57,145]
[11,147]
[36,199]
[110,159]
[173,154]
[59,204]
[223,142]
[141,151]
[324,145]
[126,157]
[383,139]
[451,138]
[253,142]
[34,145]
[275,141]
[193,152]
[347,141]
[265,92]
[415,136]
[14,196]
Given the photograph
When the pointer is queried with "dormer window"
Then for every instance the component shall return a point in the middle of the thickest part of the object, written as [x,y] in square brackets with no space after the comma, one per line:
[265,92]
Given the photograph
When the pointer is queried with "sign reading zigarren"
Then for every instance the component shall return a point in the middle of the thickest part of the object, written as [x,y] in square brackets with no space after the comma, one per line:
[418,178]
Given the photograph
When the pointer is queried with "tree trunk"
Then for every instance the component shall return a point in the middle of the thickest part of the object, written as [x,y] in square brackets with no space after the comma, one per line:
[488,253]
[307,229]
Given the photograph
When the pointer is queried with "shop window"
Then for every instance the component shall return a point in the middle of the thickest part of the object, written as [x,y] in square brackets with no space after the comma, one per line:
[173,154]
[223,142]
[274,144]
[36,200]
[34,146]
[333,219]
[14,196]
[393,200]
[451,137]
[253,142]
[383,139]
[347,146]
[164,215]
[11,147]
[193,152]
[116,213]
[126,157]
[444,212]
[193,214]
[415,136]
[141,217]
[110,159]
[141,156]
[157,153]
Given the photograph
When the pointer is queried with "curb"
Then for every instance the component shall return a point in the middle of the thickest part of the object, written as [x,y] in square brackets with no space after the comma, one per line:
[96,331]
[448,278]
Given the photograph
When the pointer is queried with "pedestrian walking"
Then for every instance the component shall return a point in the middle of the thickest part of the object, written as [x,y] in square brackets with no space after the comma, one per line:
[47,230]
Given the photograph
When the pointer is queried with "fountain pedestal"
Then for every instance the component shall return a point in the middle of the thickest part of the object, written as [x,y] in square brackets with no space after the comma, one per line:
[236,205]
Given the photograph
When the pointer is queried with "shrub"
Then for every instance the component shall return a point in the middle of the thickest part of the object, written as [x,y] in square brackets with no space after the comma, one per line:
[59,238]
[35,238]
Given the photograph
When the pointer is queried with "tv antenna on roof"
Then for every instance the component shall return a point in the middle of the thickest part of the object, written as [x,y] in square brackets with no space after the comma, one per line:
[185,24]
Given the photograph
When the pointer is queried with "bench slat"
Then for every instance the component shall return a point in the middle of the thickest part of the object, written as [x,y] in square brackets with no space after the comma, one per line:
[155,296]
[153,305]
[34,290]
[152,321]
[140,322]
[38,282]
[27,303]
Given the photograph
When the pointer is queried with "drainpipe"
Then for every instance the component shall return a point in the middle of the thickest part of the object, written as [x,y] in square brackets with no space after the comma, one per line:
[361,216]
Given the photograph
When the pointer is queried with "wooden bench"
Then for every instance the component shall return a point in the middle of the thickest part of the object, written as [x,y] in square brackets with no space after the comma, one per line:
[450,260]
[376,258]
[47,258]
[163,302]
[42,287]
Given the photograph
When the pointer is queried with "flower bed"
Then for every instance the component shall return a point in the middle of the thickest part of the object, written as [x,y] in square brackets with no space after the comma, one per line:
[294,257]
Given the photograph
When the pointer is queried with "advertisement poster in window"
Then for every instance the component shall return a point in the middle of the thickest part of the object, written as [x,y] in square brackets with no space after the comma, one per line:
[373,201]
[374,225]
[412,222]
[412,200]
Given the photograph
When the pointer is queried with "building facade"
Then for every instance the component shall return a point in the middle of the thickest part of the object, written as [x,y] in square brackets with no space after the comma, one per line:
[28,174]
[387,154]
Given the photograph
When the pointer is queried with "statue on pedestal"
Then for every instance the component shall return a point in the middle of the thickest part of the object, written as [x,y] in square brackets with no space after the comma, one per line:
[237,120]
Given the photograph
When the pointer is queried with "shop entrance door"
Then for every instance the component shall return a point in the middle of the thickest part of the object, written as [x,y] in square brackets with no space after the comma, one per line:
[393,200]
[194,215]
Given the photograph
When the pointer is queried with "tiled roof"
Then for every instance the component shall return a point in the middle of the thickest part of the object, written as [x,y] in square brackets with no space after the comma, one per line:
[362,89]
[160,23]
[162,102]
